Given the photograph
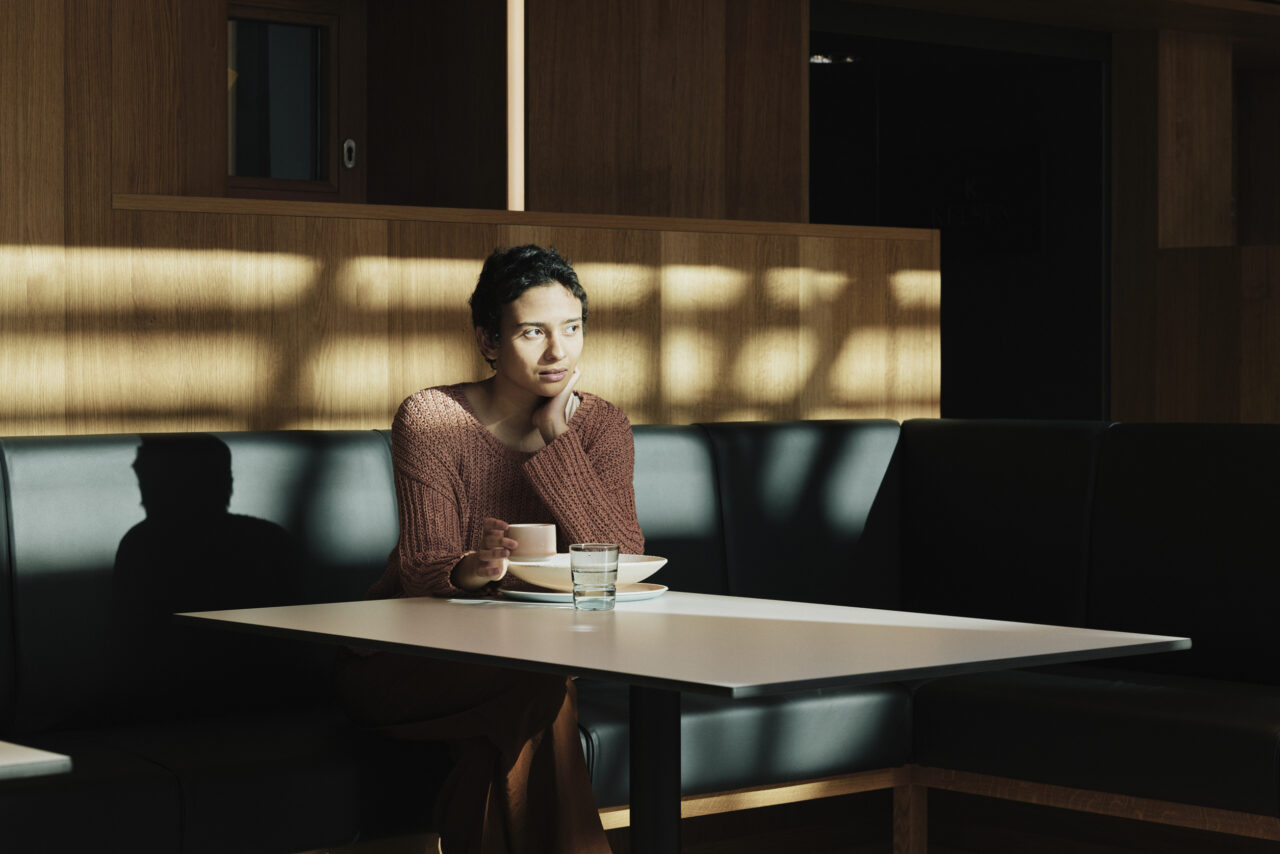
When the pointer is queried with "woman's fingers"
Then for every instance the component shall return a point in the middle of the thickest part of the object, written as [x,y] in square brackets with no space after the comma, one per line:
[551,418]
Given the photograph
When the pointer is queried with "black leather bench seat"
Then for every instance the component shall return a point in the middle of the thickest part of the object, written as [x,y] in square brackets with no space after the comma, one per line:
[1174,738]
[733,744]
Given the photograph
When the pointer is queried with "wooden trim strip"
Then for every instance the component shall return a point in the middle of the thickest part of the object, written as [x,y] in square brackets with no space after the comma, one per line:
[692,806]
[1100,803]
[338,210]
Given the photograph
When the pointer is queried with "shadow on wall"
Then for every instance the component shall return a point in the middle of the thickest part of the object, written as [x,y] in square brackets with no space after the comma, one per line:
[323,333]
[190,554]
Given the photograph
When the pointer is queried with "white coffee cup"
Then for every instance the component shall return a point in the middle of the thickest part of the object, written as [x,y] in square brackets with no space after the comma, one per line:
[537,540]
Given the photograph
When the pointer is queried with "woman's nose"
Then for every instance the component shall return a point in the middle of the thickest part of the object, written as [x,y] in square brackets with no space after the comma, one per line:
[555,347]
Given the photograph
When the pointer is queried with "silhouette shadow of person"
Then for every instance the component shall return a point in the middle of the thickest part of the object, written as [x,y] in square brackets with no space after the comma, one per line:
[191,554]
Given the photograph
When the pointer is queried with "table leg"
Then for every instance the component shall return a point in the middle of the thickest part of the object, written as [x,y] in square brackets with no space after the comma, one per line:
[655,771]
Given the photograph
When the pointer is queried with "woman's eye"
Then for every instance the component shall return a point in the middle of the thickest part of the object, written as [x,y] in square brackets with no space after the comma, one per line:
[533,333]
[573,328]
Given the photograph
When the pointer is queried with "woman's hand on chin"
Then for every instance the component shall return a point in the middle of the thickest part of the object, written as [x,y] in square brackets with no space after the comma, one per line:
[487,563]
[550,417]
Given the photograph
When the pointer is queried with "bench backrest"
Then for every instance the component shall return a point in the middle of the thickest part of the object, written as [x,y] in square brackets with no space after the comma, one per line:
[92,575]
[1185,543]
[995,517]
[810,510]
[1155,528]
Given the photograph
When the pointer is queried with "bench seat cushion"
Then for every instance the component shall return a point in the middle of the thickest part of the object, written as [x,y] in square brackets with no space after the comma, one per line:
[111,802]
[732,744]
[1174,738]
[282,780]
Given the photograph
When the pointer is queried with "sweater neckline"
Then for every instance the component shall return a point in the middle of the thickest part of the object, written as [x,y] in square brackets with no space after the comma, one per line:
[460,397]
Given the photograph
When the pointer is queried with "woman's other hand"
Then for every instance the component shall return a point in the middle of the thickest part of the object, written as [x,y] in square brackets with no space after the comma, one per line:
[487,563]
[550,417]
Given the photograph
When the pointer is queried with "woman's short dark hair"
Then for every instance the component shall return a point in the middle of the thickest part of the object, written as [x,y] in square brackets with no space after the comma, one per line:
[508,273]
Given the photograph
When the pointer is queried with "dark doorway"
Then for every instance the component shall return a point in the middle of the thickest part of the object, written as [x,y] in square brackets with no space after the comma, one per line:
[997,136]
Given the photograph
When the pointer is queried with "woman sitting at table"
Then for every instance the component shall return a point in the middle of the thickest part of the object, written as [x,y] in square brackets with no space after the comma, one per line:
[521,446]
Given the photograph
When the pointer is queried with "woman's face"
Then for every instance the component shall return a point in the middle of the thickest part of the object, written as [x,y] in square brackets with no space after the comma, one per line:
[539,340]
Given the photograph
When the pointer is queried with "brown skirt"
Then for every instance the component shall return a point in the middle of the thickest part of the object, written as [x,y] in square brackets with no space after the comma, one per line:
[519,784]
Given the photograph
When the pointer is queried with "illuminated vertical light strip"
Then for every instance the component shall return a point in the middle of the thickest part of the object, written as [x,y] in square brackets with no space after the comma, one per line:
[515,105]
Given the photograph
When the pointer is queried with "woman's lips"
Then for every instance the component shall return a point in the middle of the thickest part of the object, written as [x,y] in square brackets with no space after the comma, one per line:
[553,376]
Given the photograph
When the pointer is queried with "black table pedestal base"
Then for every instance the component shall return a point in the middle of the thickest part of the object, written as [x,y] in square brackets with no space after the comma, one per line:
[655,771]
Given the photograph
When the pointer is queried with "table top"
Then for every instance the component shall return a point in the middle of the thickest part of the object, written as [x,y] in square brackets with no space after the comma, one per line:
[19,761]
[723,645]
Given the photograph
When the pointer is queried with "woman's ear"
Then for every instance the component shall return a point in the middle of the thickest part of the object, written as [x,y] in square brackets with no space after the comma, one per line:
[488,344]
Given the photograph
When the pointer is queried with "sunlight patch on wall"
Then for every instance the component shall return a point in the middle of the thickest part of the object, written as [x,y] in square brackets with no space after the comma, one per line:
[161,278]
[916,288]
[695,287]
[174,278]
[34,278]
[617,285]
[350,372]
[365,281]
[859,370]
[774,364]
[691,365]
[782,286]
[433,358]
[430,283]
[793,287]
[619,365]
[34,372]
[743,413]
[825,285]
[916,355]
[172,370]
[866,410]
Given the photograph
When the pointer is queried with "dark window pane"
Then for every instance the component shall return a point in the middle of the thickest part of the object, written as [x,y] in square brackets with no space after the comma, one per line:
[275,101]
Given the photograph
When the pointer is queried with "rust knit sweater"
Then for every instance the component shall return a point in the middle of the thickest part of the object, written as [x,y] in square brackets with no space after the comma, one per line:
[451,473]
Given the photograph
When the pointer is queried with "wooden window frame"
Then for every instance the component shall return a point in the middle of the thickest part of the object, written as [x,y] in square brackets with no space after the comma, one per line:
[343,24]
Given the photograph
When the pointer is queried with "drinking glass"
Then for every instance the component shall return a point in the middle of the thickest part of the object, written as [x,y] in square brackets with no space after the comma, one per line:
[595,575]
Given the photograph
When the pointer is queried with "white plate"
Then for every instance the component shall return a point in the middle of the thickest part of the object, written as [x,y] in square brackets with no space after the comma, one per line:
[626,593]
[553,573]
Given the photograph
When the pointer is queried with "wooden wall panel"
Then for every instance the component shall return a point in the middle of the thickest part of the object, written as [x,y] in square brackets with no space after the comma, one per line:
[232,322]
[582,115]
[31,121]
[1134,189]
[169,120]
[686,83]
[126,313]
[767,110]
[32,262]
[1197,323]
[88,122]
[1260,334]
[1194,147]
[216,320]
[1258,156]
[437,104]
[1194,322]
[432,269]
[667,108]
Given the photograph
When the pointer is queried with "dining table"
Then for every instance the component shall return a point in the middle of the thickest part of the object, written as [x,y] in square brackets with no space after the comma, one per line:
[18,760]
[664,645]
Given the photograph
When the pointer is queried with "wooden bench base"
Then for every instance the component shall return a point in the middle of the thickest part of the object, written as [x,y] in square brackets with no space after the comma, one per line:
[911,783]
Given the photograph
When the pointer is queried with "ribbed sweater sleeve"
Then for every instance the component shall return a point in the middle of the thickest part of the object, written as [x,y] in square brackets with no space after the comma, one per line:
[585,478]
[428,491]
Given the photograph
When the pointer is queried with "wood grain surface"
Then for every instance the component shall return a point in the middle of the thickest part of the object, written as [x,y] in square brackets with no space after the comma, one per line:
[1195,140]
[666,108]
